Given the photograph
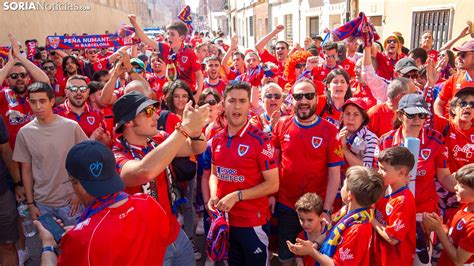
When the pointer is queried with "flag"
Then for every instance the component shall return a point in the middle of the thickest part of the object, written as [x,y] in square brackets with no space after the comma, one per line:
[185,16]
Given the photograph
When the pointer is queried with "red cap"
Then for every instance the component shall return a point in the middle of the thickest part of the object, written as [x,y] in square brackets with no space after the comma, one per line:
[359,102]
[466,47]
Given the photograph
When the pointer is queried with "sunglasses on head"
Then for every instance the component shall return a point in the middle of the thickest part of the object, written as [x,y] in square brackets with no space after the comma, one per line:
[308,96]
[464,104]
[392,41]
[277,96]
[77,88]
[149,111]
[16,75]
[412,116]
[210,102]
[301,65]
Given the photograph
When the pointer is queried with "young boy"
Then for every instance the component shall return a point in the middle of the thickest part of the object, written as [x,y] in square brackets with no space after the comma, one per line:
[458,244]
[395,219]
[347,243]
[309,208]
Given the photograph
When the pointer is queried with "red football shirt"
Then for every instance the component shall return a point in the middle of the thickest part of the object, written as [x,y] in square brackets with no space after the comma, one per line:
[433,54]
[186,63]
[302,146]
[461,234]
[123,155]
[386,65]
[349,67]
[432,156]
[454,84]
[354,246]
[380,119]
[240,161]
[321,71]
[89,120]
[219,87]
[334,117]
[156,83]
[267,57]
[15,111]
[307,260]
[135,233]
[399,218]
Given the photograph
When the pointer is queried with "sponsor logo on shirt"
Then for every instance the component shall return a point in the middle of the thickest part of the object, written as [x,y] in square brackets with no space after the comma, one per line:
[229,175]
[243,149]
[345,254]
[425,153]
[269,151]
[90,120]
[467,149]
[81,225]
[316,141]
[124,214]
[398,225]
[286,137]
[339,151]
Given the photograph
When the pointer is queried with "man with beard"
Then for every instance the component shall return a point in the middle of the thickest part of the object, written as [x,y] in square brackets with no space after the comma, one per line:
[14,108]
[58,87]
[305,139]
[213,80]
[243,173]
[76,108]
[387,59]
[458,81]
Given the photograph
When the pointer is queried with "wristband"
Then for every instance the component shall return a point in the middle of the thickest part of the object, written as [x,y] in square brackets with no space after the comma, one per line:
[18,184]
[31,203]
[179,128]
[198,138]
[329,212]
[239,195]
[49,249]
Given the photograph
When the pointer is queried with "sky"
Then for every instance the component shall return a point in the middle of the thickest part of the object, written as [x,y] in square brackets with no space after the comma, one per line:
[193,4]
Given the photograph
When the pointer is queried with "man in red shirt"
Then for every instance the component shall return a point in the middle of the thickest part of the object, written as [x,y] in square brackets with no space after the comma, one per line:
[330,62]
[111,229]
[76,108]
[14,107]
[281,47]
[426,42]
[238,64]
[213,80]
[95,92]
[243,173]
[157,78]
[142,157]
[345,62]
[457,81]
[188,67]
[196,40]
[387,59]
[58,87]
[305,139]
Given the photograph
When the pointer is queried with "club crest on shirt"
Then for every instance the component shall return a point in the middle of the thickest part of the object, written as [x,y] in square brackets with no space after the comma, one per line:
[316,142]
[90,120]
[388,209]
[184,59]
[425,153]
[460,224]
[243,149]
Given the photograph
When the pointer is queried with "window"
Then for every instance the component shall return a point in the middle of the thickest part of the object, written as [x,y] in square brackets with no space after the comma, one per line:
[313,26]
[437,21]
[250,26]
[289,29]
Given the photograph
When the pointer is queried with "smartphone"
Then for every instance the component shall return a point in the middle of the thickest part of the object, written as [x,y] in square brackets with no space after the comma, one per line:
[52,226]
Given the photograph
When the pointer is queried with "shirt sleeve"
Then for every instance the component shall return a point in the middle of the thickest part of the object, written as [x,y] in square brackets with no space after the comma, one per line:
[266,156]
[276,134]
[265,56]
[402,214]
[442,157]
[195,64]
[377,85]
[336,155]
[3,132]
[21,153]
[80,135]
[467,239]
[370,148]
[446,92]
[354,246]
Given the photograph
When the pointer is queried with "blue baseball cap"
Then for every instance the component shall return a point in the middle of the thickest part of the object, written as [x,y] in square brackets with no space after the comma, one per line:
[93,164]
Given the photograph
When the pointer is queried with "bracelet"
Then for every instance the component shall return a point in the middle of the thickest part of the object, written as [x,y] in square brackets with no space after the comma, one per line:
[198,138]
[49,249]
[329,212]
[18,184]
[239,195]
[178,127]
[31,203]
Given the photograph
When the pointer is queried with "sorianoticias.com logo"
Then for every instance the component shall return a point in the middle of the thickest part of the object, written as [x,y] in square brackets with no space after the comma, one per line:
[45,6]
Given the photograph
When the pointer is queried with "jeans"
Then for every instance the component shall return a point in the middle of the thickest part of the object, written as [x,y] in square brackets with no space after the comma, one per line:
[61,213]
[187,209]
[180,252]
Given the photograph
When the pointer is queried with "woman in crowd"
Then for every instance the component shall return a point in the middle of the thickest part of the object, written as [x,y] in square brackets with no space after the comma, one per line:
[272,97]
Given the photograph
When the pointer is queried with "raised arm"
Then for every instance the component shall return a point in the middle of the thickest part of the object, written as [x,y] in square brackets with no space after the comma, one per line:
[35,72]
[465,32]
[228,54]
[260,46]
[140,33]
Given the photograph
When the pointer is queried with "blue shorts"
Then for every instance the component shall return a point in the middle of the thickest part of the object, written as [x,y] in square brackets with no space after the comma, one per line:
[249,245]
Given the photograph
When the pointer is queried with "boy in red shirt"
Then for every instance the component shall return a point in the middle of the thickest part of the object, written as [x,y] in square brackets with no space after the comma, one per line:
[310,208]
[395,223]
[458,244]
[347,243]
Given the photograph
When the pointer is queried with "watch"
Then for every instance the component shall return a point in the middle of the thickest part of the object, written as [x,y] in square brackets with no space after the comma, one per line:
[49,249]
[329,212]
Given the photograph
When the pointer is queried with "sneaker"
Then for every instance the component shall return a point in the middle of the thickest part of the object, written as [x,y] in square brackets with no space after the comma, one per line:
[200,227]
[23,256]
[197,254]
[209,262]
[180,219]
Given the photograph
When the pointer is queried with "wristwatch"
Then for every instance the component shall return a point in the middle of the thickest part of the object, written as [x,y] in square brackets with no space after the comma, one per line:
[329,212]
[49,249]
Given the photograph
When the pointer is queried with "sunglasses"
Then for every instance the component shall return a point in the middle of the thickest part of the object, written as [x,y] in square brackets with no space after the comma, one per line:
[308,96]
[78,88]
[465,104]
[334,56]
[210,102]
[411,75]
[277,96]
[92,51]
[138,70]
[48,68]
[16,75]
[302,65]
[149,110]
[462,54]
[412,116]
[392,41]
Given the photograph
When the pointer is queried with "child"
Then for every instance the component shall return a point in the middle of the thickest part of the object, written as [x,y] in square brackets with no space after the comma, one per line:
[309,208]
[395,223]
[347,243]
[458,244]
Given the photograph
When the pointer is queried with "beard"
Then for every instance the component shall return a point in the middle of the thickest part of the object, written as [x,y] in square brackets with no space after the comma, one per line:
[77,103]
[18,90]
[302,116]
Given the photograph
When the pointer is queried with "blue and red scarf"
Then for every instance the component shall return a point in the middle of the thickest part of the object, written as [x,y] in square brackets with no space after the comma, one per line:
[101,203]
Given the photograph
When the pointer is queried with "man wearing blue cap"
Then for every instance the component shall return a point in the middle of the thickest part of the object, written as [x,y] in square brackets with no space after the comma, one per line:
[111,230]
